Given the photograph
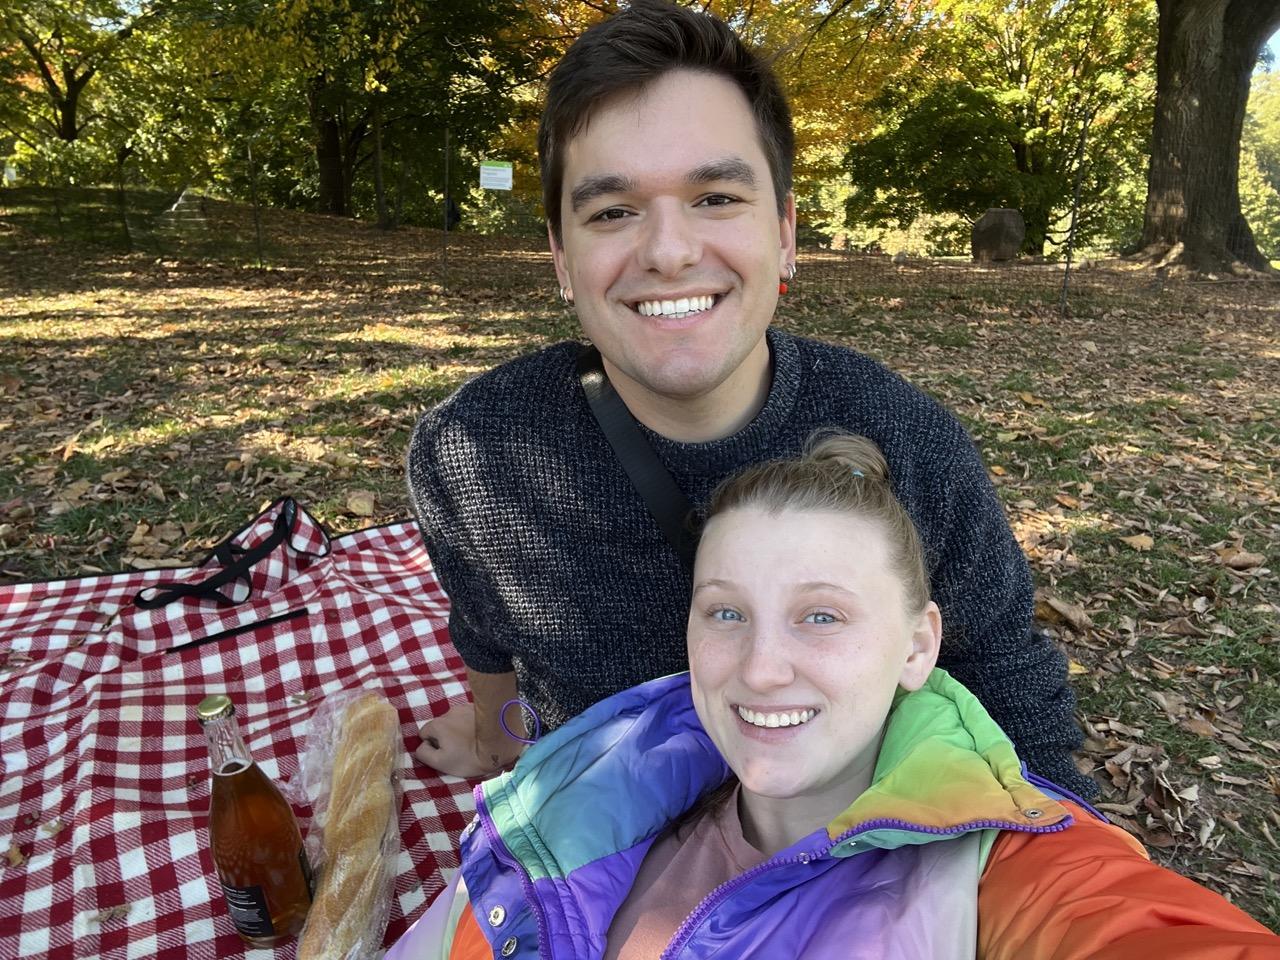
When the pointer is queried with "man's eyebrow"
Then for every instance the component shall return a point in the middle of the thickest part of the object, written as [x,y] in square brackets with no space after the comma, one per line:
[730,169]
[733,169]
[598,186]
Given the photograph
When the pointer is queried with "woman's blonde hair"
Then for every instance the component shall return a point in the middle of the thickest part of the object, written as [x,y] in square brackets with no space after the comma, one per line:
[840,473]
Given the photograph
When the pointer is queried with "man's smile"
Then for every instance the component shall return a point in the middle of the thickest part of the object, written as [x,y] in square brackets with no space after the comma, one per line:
[676,307]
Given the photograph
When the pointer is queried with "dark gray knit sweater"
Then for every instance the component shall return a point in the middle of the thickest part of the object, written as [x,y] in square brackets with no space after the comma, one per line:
[556,569]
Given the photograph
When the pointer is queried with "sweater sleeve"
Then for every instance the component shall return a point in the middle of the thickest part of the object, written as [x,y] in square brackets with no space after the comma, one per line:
[981,582]
[438,491]
[1090,893]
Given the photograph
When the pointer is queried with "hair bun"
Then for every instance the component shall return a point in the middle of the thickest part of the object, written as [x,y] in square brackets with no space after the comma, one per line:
[853,454]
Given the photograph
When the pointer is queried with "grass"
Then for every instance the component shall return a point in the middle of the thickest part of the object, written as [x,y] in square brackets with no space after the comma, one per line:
[190,390]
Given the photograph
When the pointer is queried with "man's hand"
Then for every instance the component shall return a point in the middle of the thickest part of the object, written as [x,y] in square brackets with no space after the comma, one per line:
[468,740]
[450,746]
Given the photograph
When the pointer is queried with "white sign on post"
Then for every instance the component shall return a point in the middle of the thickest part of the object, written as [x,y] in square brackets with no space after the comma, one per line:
[495,175]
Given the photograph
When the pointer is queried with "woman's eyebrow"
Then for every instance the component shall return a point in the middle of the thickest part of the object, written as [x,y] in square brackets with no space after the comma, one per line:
[825,585]
[705,584]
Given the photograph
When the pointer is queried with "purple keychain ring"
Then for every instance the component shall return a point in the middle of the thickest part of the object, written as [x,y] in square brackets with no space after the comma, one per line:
[537,723]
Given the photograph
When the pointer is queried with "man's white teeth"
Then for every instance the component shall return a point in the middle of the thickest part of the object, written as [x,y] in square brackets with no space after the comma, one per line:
[792,719]
[675,308]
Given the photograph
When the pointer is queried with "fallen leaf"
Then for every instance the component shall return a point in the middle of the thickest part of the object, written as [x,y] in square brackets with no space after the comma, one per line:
[1200,727]
[1211,762]
[1053,609]
[360,503]
[1140,542]
[111,913]
[1244,869]
[1125,730]
[1181,627]
[75,490]
[1068,501]
[1238,559]
[16,859]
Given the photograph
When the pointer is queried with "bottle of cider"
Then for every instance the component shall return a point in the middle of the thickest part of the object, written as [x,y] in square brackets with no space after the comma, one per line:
[257,847]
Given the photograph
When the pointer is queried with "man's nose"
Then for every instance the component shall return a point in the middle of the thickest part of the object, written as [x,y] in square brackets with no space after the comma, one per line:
[765,664]
[670,242]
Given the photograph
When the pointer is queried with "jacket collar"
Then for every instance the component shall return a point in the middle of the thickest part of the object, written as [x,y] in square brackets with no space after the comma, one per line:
[619,773]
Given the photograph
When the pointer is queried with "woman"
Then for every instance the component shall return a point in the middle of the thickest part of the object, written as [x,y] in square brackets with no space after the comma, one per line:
[813,787]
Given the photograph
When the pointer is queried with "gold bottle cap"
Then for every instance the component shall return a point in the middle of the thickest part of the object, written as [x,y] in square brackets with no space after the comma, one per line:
[215,707]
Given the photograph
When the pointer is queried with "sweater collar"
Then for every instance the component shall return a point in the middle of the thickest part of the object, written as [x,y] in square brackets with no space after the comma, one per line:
[753,442]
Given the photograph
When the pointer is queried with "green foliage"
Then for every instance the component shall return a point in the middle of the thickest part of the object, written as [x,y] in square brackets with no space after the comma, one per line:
[995,108]
[1262,125]
[947,151]
[186,92]
[1260,164]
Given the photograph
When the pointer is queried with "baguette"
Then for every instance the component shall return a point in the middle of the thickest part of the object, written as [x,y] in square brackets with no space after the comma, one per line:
[361,808]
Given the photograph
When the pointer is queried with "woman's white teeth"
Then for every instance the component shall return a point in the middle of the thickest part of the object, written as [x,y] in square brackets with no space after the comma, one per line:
[792,719]
[675,308]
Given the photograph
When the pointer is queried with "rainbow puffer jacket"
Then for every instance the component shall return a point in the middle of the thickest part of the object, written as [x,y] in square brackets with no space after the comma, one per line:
[904,872]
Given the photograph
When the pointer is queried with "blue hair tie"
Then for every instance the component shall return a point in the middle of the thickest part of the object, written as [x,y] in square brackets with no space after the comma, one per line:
[858,473]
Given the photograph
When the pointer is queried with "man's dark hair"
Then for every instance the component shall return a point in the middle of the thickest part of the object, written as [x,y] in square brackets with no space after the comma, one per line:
[639,45]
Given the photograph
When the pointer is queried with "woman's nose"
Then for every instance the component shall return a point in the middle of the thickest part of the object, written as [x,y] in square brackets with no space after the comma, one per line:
[765,664]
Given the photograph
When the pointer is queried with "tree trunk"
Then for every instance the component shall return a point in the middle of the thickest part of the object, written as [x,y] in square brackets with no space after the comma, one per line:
[1037,220]
[379,189]
[401,176]
[1205,56]
[333,193]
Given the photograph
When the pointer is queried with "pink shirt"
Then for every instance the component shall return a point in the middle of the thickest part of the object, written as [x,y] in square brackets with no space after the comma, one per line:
[678,872]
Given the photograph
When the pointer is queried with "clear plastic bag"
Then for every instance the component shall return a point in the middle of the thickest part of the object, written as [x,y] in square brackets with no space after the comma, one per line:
[349,775]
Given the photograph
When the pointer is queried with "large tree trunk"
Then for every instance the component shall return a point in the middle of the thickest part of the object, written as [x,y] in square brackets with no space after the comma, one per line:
[334,195]
[1205,55]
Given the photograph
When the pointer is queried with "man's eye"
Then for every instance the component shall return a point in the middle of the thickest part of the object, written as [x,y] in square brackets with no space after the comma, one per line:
[606,216]
[726,615]
[717,200]
[821,617]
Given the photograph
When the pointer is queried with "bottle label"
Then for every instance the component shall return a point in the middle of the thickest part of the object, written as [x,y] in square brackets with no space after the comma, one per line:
[306,872]
[249,912]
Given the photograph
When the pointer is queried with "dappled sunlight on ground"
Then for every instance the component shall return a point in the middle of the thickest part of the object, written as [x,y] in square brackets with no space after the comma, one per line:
[149,405]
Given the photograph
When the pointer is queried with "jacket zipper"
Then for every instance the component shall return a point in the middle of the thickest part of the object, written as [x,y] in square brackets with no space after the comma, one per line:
[526,882]
[722,892]
[1048,785]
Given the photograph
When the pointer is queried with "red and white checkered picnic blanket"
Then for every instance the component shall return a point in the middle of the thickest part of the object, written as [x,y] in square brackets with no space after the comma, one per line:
[104,773]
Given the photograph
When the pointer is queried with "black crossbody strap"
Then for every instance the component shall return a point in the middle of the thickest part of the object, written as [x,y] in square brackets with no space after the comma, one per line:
[668,504]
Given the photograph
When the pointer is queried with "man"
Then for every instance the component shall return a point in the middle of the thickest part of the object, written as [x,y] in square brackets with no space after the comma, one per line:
[666,151]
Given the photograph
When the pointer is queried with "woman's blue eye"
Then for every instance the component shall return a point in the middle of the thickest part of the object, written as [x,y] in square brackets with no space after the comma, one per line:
[726,615]
[820,617]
